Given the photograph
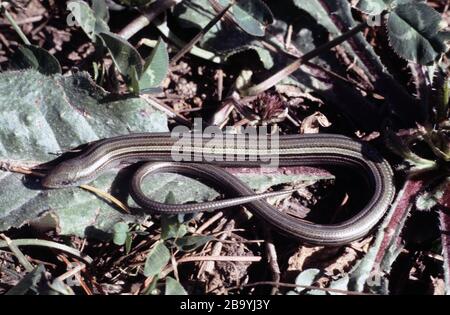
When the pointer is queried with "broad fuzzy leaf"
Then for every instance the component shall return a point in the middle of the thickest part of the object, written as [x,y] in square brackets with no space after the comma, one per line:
[340,284]
[41,116]
[171,227]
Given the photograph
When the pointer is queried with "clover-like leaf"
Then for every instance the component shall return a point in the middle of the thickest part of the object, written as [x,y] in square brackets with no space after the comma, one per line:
[306,278]
[156,260]
[340,284]
[92,22]
[414,31]
[251,15]
[124,55]
[173,287]
[155,68]
[373,7]
[30,56]
[171,227]
[121,231]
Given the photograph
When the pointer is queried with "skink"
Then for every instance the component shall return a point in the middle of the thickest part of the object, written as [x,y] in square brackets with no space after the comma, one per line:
[209,155]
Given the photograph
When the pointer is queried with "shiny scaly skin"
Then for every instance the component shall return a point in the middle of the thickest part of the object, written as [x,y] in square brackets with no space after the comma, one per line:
[293,150]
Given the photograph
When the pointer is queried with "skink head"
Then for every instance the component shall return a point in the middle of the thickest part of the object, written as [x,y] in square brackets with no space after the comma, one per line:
[65,174]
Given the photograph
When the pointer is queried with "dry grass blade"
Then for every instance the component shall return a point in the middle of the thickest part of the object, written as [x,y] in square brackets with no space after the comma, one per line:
[227,18]
[107,197]
[49,244]
[148,15]
[18,253]
[166,109]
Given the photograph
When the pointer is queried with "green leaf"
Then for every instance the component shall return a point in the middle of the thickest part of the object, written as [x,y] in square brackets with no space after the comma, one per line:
[306,278]
[251,15]
[92,22]
[426,200]
[101,11]
[120,233]
[340,284]
[124,55]
[156,260]
[414,32]
[173,287]
[134,81]
[171,227]
[192,242]
[128,243]
[30,56]
[58,287]
[155,68]
[170,198]
[373,7]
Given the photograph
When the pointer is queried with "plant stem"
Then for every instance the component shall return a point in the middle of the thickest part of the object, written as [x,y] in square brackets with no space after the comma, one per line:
[148,15]
[196,51]
[50,244]
[295,65]
[16,251]
[15,26]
